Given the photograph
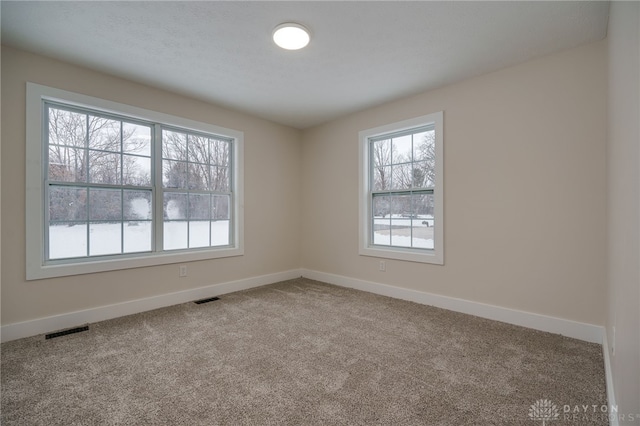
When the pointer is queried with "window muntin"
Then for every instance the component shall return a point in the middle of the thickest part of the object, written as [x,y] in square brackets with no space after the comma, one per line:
[116,182]
[401,187]
[98,184]
[402,180]
[100,193]
[196,183]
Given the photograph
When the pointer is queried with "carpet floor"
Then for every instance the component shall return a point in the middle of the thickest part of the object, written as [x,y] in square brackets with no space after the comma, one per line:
[302,352]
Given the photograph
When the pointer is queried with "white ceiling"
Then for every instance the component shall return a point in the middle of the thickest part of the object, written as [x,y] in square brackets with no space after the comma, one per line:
[361,53]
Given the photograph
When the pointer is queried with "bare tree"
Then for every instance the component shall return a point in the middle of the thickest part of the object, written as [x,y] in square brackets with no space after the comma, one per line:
[382,153]
[197,163]
[86,148]
[411,169]
[426,159]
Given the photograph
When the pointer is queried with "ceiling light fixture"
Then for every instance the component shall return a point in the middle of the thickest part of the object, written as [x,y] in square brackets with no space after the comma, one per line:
[291,36]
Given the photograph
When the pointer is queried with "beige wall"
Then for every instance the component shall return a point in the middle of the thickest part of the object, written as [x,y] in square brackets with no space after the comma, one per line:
[524,169]
[624,204]
[272,189]
[524,192]
[526,173]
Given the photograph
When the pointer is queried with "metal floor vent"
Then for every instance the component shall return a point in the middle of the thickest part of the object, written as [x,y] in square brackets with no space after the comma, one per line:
[65,332]
[201,301]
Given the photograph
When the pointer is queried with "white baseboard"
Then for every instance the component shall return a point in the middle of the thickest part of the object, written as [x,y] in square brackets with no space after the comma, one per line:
[577,330]
[587,332]
[608,376]
[582,331]
[73,319]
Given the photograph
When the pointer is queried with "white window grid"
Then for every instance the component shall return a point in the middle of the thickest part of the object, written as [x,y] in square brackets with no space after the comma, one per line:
[428,246]
[394,191]
[156,189]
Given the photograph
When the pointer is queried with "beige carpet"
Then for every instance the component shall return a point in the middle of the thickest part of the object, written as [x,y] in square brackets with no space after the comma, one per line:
[300,352]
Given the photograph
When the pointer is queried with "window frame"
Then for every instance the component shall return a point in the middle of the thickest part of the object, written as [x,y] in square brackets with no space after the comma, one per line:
[37,266]
[366,246]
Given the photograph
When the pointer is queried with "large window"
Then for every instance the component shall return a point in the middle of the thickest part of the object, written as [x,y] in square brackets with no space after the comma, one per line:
[401,190]
[110,186]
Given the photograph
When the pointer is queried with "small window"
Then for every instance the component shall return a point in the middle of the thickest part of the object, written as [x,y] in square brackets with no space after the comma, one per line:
[401,190]
[120,186]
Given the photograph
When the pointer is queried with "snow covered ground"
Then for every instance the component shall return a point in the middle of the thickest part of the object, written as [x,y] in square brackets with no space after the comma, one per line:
[401,240]
[106,238]
[401,231]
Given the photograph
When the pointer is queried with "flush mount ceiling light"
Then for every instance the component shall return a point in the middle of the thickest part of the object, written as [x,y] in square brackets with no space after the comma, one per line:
[291,36]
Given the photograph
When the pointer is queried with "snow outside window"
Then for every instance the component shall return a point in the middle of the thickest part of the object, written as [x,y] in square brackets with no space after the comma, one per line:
[119,186]
[401,190]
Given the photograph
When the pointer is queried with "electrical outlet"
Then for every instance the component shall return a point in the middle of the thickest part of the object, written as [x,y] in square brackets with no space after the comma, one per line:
[382,266]
[183,271]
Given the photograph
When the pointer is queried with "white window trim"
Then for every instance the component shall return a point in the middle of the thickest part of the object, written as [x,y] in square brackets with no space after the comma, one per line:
[36,268]
[435,256]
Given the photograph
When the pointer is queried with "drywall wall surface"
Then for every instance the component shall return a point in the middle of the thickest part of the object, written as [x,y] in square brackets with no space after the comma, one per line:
[524,189]
[272,188]
[623,201]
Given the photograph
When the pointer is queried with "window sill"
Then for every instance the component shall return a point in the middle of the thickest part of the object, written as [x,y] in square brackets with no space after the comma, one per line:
[62,269]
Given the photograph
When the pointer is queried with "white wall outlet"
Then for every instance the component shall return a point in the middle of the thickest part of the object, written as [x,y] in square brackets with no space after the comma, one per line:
[183,271]
[382,266]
